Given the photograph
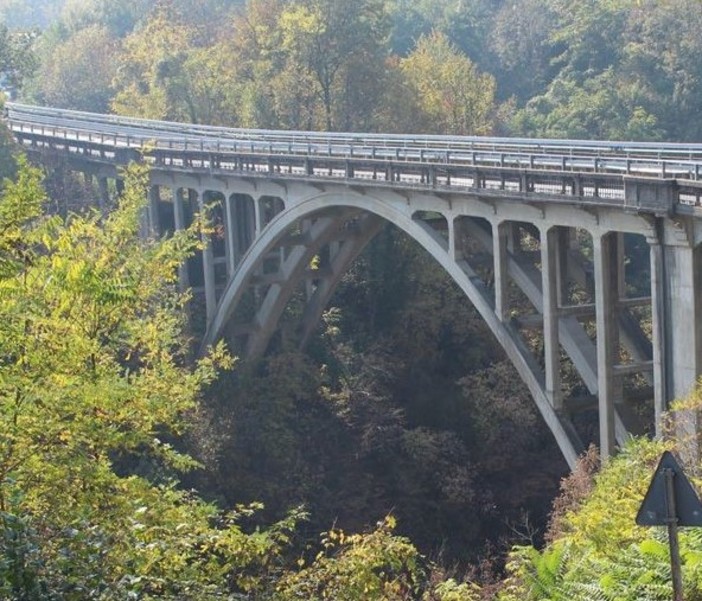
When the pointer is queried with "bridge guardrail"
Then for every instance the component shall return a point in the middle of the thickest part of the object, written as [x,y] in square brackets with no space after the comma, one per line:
[421,160]
[651,150]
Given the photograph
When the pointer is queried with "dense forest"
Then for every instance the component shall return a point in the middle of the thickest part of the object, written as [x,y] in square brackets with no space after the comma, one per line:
[402,434]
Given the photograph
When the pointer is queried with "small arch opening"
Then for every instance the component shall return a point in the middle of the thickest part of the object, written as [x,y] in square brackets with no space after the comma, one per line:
[269,207]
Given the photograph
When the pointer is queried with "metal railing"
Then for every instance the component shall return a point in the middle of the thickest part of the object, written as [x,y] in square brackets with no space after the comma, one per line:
[539,166]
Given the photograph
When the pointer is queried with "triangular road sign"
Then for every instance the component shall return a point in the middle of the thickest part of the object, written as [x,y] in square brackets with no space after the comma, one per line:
[654,509]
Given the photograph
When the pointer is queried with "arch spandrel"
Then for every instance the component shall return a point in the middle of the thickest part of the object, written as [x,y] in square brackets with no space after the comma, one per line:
[399,213]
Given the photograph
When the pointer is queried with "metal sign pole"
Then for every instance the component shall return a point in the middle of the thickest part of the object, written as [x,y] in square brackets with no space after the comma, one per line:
[672,522]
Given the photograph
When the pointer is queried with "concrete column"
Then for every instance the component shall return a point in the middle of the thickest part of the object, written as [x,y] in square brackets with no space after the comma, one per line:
[251,222]
[549,287]
[500,239]
[153,210]
[180,224]
[230,236]
[682,319]
[104,194]
[207,266]
[119,185]
[621,270]
[564,235]
[660,396]
[239,225]
[606,290]
[257,217]
[89,185]
[451,226]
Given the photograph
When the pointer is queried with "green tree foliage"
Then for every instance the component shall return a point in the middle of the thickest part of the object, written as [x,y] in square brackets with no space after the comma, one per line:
[92,373]
[17,61]
[118,16]
[150,79]
[521,41]
[604,68]
[466,24]
[597,551]
[23,15]
[454,97]
[78,73]
[621,73]
[376,566]
[312,64]
[335,42]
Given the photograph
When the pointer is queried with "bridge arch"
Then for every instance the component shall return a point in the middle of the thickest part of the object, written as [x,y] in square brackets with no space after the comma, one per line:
[325,211]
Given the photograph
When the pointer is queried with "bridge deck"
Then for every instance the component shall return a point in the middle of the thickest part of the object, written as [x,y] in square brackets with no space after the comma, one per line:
[601,173]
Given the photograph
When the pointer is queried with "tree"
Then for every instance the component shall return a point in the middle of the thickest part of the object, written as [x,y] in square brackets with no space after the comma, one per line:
[17,60]
[467,24]
[659,60]
[454,96]
[119,16]
[521,40]
[93,371]
[372,567]
[150,78]
[21,15]
[335,42]
[78,73]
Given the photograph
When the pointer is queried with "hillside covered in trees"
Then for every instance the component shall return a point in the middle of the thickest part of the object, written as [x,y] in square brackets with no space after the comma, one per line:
[127,470]
[616,69]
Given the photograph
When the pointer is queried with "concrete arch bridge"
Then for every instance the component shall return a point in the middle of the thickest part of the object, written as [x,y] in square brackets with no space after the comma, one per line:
[546,224]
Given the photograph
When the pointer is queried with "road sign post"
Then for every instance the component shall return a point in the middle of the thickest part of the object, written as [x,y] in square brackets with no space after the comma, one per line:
[671,501]
[672,519]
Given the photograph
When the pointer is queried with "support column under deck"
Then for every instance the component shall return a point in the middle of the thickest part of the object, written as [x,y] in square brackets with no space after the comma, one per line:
[207,265]
[180,224]
[257,217]
[549,286]
[605,259]
[565,235]
[451,227]
[680,272]
[104,194]
[153,211]
[683,318]
[230,233]
[500,239]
